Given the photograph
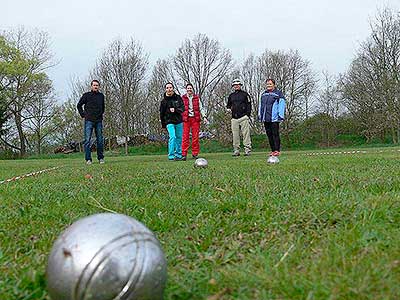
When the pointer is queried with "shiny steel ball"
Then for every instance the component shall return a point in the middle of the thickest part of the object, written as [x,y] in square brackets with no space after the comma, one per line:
[201,163]
[106,256]
[273,160]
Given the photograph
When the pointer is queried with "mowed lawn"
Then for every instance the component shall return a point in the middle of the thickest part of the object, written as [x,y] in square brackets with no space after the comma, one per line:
[312,227]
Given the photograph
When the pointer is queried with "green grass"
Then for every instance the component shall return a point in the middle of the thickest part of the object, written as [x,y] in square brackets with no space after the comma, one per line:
[259,143]
[312,227]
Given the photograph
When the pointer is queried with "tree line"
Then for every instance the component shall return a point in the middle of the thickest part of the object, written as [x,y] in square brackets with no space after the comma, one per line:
[364,100]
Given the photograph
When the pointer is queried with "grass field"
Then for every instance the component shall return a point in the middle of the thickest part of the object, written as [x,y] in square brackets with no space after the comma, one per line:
[312,227]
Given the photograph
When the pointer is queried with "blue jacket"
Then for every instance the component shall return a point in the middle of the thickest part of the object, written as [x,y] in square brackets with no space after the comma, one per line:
[272,106]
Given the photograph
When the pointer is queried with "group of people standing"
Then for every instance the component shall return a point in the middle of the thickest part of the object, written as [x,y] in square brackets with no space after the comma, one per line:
[182,116]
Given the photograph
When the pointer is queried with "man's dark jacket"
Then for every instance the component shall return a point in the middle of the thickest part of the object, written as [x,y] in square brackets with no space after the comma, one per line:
[91,106]
[239,103]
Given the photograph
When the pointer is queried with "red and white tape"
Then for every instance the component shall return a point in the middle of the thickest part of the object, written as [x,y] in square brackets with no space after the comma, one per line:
[28,175]
[335,153]
[348,152]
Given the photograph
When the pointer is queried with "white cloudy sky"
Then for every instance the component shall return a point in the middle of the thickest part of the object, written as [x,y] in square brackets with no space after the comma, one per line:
[327,32]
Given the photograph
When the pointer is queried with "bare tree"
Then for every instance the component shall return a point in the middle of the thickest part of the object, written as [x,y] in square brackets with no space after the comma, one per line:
[221,124]
[296,80]
[371,85]
[161,74]
[329,107]
[254,84]
[330,99]
[204,63]
[121,70]
[293,75]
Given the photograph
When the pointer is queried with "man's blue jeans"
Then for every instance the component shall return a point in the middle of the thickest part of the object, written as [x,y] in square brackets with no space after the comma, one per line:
[98,129]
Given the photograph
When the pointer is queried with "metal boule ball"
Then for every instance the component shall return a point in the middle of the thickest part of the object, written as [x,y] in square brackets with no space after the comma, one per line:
[106,256]
[201,163]
[273,160]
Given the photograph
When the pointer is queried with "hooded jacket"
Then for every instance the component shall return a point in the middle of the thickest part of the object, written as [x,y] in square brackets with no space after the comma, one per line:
[272,106]
[168,117]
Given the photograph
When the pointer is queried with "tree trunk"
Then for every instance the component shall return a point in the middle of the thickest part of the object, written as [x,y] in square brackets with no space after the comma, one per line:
[39,144]
[394,135]
[18,123]
[398,133]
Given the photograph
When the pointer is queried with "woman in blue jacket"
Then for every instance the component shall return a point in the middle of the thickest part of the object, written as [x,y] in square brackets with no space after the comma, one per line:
[271,112]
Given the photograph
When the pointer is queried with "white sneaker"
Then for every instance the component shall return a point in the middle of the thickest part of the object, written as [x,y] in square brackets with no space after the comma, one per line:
[101,161]
[88,162]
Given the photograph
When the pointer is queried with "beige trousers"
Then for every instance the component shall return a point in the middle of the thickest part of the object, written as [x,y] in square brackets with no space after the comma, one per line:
[242,124]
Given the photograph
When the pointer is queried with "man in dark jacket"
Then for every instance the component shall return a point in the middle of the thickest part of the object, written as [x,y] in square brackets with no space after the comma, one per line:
[240,106]
[91,108]
[171,109]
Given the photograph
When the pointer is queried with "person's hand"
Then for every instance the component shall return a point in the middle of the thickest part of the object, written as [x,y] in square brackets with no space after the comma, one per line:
[172,109]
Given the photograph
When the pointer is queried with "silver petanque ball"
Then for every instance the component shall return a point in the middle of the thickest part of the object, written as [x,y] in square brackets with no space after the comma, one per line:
[201,163]
[106,256]
[273,160]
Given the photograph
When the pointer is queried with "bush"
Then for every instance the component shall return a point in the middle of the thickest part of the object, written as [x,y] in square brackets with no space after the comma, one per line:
[8,154]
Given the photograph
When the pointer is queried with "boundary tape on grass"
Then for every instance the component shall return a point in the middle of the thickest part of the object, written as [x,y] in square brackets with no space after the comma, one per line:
[347,152]
[15,178]
[334,153]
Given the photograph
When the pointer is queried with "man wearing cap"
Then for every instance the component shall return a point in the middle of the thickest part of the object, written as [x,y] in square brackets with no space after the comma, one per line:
[240,106]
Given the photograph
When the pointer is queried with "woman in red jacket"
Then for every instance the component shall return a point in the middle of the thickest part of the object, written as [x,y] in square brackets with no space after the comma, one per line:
[191,122]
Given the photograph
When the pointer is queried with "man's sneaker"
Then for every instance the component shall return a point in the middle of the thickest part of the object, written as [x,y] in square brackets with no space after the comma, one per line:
[236,153]
[178,158]
[247,153]
[195,156]
[271,153]
[184,158]
[101,161]
[276,153]
[88,162]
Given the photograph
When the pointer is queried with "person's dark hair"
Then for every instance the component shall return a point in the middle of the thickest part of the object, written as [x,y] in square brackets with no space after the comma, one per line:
[189,84]
[270,79]
[170,84]
[94,80]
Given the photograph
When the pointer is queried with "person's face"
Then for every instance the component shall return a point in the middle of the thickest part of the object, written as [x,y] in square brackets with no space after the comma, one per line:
[189,90]
[95,86]
[237,87]
[270,85]
[169,89]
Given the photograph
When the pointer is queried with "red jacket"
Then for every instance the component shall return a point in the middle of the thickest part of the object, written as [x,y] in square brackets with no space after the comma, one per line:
[196,107]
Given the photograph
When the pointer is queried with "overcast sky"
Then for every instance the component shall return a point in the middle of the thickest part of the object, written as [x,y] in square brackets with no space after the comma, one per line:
[325,32]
